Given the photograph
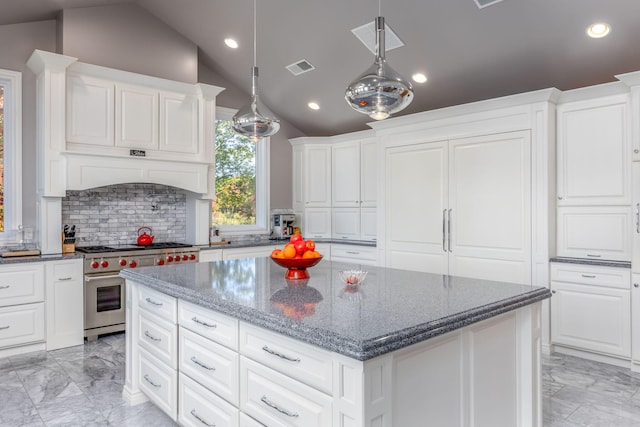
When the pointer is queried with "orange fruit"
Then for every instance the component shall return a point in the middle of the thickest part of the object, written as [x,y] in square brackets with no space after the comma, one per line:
[308,254]
[277,253]
[289,251]
[316,254]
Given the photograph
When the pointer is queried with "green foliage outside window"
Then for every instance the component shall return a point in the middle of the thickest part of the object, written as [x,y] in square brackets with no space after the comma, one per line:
[235,202]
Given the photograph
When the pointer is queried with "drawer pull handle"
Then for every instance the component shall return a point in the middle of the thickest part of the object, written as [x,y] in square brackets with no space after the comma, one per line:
[589,276]
[146,377]
[197,417]
[4,327]
[151,337]
[353,252]
[5,287]
[594,255]
[152,302]
[270,404]
[282,356]
[200,322]
[199,363]
[64,279]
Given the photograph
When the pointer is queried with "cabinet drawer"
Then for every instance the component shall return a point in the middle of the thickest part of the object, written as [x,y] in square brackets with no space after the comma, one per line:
[66,271]
[595,232]
[21,324]
[21,284]
[200,407]
[158,303]
[215,326]
[276,400]
[353,252]
[159,337]
[609,277]
[210,364]
[247,421]
[301,361]
[159,382]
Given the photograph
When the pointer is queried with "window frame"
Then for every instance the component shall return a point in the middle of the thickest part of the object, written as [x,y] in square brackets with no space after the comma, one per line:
[12,82]
[262,184]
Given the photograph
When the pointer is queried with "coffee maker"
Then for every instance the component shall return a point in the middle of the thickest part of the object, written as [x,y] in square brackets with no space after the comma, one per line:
[282,225]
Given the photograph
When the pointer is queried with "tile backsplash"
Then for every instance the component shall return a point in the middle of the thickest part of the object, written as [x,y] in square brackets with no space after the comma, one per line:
[112,215]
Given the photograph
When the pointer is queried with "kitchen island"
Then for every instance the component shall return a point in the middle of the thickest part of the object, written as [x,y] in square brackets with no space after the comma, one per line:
[231,342]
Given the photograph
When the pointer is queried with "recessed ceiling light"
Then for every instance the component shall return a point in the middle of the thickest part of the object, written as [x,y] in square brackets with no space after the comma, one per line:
[313,105]
[231,43]
[598,30]
[419,78]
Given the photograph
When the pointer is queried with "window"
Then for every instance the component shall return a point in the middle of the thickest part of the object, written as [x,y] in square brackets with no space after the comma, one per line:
[242,175]
[10,155]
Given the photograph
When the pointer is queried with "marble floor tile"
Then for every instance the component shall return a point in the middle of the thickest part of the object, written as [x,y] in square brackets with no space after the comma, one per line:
[82,386]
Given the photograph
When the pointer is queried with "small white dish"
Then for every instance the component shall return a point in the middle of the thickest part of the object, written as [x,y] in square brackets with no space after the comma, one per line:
[352,277]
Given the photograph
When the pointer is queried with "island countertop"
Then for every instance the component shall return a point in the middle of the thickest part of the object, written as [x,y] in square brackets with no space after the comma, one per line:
[391,309]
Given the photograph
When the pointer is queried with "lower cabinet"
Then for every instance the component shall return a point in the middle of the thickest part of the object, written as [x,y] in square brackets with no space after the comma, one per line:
[591,308]
[365,255]
[65,302]
[21,324]
[200,407]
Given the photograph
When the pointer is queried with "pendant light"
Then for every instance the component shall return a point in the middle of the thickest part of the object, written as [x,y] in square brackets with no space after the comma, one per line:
[255,120]
[380,91]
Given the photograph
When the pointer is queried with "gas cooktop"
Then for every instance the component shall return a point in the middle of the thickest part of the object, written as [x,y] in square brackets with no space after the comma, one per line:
[99,249]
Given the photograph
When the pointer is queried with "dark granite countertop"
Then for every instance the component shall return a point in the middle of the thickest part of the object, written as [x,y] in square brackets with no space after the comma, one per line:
[597,262]
[39,258]
[280,242]
[391,309]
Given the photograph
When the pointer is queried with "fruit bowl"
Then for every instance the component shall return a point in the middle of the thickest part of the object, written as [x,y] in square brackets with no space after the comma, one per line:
[296,267]
[352,277]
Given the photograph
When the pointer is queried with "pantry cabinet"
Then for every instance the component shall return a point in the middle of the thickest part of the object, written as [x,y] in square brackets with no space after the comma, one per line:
[461,207]
[591,308]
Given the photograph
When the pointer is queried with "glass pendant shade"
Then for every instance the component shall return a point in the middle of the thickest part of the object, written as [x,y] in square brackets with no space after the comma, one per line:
[255,120]
[380,91]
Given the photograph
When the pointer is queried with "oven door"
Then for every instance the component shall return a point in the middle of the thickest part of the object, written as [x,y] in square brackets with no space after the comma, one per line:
[104,300]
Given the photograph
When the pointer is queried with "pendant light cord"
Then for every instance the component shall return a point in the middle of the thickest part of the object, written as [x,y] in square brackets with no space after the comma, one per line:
[379,7]
[254,33]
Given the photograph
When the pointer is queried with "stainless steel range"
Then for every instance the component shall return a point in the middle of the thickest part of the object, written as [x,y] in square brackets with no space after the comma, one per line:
[104,291]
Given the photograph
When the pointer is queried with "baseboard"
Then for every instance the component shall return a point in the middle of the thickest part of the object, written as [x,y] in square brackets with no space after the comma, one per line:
[133,398]
[597,357]
[14,351]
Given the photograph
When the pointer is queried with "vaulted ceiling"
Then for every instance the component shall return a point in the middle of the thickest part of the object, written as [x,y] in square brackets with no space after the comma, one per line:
[468,53]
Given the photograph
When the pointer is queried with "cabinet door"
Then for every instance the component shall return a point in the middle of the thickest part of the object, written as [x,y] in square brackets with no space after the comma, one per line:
[136,117]
[591,318]
[317,173]
[490,207]
[178,122]
[416,203]
[595,232]
[368,224]
[593,152]
[635,224]
[250,252]
[317,223]
[65,302]
[298,155]
[346,174]
[368,173]
[345,223]
[635,318]
[90,110]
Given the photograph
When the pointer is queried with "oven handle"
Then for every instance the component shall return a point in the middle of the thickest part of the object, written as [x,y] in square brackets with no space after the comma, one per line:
[92,278]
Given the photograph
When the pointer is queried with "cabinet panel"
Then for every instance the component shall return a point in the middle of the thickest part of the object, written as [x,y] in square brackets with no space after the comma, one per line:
[179,123]
[159,337]
[593,152]
[210,255]
[199,407]
[368,224]
[65,302]
[595,232]
[345,168]
[90,110]
[368,173]
[21,324]
[160,304]
[415,220]
[591,318]
[136,117]
[251,252]
[21,284]
[159,382]
[317,172]
[210,324]
[317,223]
[298,155]
[345,223]
[635,318]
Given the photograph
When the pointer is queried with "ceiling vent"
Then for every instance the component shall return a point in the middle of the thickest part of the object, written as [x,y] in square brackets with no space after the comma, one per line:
[367,35]
[300,67]
[484,3]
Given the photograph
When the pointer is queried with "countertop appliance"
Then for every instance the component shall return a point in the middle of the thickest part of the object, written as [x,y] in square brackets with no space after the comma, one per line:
[104,292]
[282,225]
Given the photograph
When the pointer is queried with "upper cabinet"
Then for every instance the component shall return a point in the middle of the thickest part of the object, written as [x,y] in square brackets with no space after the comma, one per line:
[354,174]
[312,176]
[594,152]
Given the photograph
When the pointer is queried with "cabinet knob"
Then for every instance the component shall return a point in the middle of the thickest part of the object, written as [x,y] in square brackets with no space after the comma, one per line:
[635,285]
[553,292]
[559,197]
[636,151]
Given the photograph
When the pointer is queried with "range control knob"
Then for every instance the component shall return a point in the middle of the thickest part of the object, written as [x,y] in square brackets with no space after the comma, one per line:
[177,258]
[133,264]
[104,264]
[94,264]
[160,262]
[192,257]
[169,258]
[123,262]
[185,257]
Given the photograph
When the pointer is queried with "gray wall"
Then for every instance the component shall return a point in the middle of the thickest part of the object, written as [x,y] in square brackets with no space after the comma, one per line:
[126,37]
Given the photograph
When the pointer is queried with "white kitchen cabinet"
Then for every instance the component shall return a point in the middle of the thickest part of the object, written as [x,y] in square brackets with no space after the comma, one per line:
[90,110]
[210,255]
[345,170]
[311,175]
[136,117]
[21,284]
[248,252]
[594,152]
[64,302]
[200,407]
[179,119]
[316,223]
[595,232]
[635,322]
[354,254]
[345,223]
[591,308]
[635,223]
[461,207]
